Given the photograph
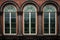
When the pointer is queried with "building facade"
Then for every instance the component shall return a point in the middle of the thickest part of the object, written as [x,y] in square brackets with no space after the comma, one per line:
[30,19]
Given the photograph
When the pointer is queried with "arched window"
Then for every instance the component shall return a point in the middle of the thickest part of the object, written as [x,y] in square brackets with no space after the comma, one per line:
[29,20]
[50,19]
[9,20]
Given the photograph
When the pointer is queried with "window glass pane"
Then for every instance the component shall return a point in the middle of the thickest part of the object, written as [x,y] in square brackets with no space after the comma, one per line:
[26,27]
[7,22]
[52,25]
[6,14]
[7,26]
[46,25]
[13,22]
[46,14]
[29,8]
[33,22]
[33,14]
[52,30]
[52,14]
[6,19]
[13,19]
[49,8]
[32,27]
[10,8]
[13,14]
[7,30]
[26,30]
[46,30]
[26,22]
[52,19]
[26,14]
[46,20]
[13,27]
[13,30]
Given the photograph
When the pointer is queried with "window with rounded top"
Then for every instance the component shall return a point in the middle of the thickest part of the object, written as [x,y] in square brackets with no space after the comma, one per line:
[29,20]
[9,20]
[50,20]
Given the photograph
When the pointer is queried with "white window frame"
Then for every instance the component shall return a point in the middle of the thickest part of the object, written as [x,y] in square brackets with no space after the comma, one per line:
[49,25]
[30,22]
[9,22]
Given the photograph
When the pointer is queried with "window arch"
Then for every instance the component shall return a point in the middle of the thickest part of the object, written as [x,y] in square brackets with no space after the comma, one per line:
[9,20]
[50,20]
[29,20]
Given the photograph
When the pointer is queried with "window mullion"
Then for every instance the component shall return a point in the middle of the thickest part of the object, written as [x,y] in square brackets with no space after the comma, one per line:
[49,23]
[29,22]
[10,22]
[4,22]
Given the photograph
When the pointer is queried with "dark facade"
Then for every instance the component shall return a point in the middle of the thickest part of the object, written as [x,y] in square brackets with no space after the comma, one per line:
[20,4]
